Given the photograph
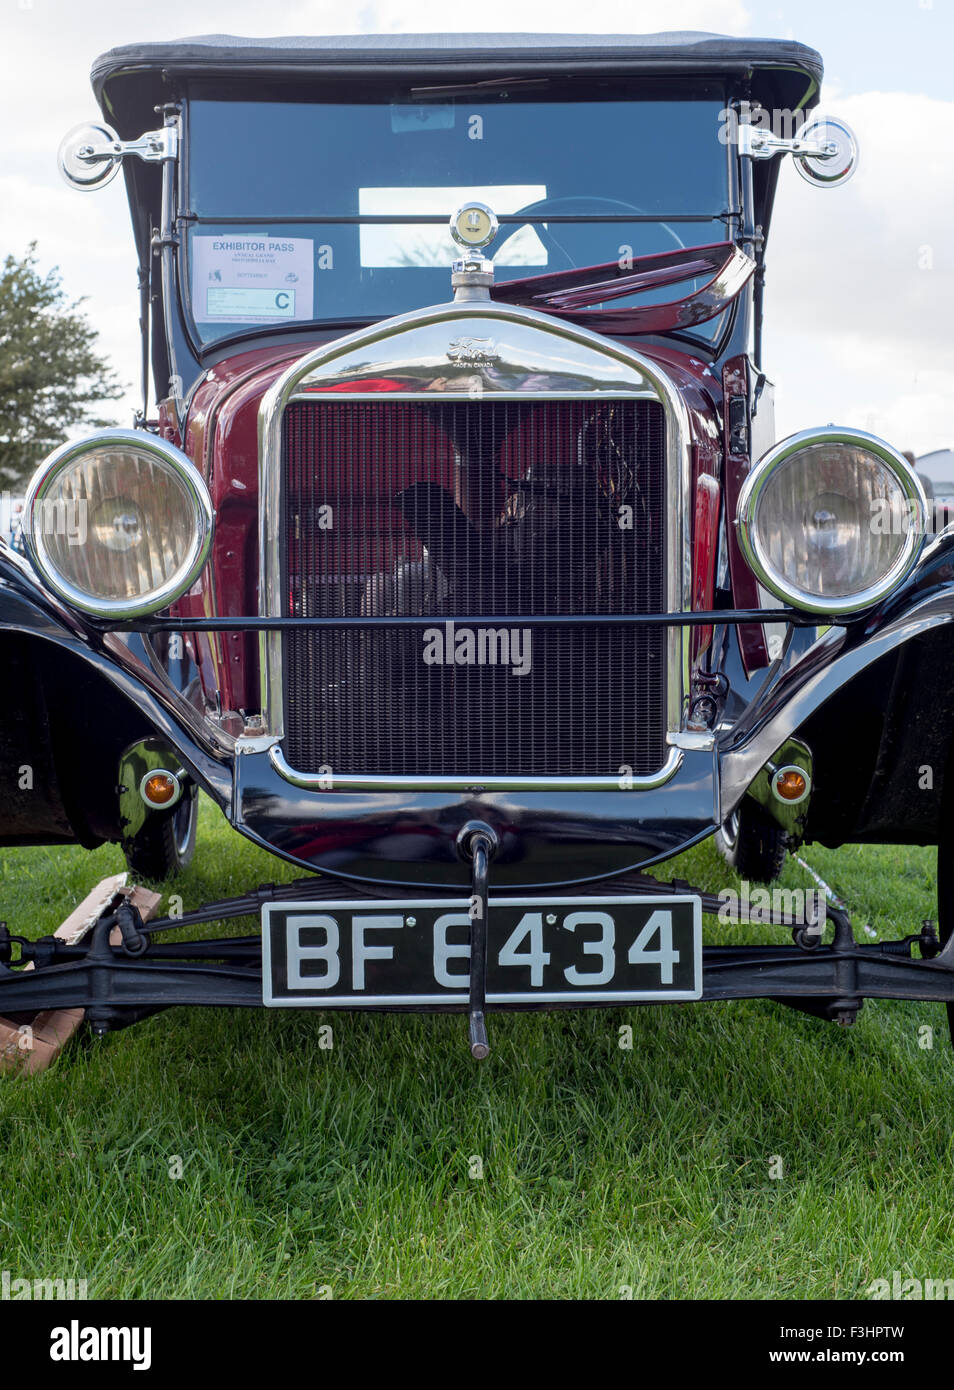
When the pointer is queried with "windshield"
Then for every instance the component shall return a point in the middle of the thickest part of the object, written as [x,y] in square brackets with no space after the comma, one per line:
[314,211]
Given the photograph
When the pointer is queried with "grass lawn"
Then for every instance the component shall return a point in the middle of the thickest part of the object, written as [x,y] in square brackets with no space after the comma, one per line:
[350,1171]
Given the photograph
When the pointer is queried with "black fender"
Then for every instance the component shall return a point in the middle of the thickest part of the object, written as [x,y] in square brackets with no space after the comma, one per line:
[72,698]
[874,701]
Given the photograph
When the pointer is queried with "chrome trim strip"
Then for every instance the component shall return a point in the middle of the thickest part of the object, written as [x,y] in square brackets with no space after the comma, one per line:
[396,397]
[603,369]
[754,551]
[351,782]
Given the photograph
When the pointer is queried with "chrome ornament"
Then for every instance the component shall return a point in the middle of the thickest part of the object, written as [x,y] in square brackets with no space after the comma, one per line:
[473,226]
[472,352]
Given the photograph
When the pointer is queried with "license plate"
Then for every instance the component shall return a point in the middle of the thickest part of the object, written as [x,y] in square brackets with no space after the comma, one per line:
[539,950]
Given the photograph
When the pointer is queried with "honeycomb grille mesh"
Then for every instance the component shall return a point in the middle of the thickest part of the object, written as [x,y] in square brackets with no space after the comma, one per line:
[486,509]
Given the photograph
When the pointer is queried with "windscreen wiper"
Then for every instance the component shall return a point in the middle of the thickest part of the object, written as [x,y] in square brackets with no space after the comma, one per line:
[489,85]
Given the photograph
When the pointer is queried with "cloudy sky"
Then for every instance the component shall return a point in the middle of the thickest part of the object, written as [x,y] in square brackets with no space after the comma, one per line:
[860,287]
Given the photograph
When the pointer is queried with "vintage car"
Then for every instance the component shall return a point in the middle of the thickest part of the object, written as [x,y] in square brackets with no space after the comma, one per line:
[458,561]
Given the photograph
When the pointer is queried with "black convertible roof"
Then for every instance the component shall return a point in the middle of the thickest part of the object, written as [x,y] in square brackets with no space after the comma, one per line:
[783,72]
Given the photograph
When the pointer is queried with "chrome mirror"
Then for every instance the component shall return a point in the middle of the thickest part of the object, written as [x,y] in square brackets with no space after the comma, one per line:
[90,155]
[841,161]
[825,151]
[84,159]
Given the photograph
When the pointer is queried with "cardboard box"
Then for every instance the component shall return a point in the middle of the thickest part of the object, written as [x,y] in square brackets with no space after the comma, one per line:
[30,1046]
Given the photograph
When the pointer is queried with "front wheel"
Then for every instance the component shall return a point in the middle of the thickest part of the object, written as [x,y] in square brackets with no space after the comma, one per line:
[166,843]
[752,843]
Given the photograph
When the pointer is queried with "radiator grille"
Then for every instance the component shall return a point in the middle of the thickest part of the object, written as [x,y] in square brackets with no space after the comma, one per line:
[494,509]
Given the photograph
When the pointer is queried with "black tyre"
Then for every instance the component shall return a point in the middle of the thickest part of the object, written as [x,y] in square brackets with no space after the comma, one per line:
[165,845]
[752,843]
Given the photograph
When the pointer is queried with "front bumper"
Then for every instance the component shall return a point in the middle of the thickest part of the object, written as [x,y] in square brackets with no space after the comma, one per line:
[412,837]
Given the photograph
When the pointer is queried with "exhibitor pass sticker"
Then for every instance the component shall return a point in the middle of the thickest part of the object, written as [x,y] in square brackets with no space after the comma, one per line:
[252,279]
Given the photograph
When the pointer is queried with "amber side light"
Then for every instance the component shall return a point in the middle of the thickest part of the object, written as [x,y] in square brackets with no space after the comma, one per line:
[790,784]
[160,789]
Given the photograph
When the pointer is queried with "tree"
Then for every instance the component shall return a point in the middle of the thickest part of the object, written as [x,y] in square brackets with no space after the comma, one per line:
[52,374]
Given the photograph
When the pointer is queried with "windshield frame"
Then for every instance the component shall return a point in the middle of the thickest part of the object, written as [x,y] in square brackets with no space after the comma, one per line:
[733,218]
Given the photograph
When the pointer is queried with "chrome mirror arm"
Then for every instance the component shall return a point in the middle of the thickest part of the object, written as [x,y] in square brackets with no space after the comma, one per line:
[825,153]
[762,144]
[91,154]
[153,146]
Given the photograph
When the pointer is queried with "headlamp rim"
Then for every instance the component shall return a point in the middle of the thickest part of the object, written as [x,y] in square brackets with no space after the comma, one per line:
[144,443]
[754,553]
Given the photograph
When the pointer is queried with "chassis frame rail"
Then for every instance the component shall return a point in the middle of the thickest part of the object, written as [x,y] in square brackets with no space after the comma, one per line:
[120,984]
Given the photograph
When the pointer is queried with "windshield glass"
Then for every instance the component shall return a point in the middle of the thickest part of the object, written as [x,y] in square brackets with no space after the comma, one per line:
[314,211]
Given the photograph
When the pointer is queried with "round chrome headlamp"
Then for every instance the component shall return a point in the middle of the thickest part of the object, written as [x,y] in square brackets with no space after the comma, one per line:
[831,520]
[119,524]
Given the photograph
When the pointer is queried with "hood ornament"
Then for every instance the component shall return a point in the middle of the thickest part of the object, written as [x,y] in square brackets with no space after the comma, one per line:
[473,226]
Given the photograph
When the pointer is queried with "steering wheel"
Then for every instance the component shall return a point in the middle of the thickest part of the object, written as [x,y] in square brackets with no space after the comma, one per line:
[583,203]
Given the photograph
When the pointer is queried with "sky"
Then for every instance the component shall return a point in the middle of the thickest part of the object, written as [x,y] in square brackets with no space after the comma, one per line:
[860,279]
